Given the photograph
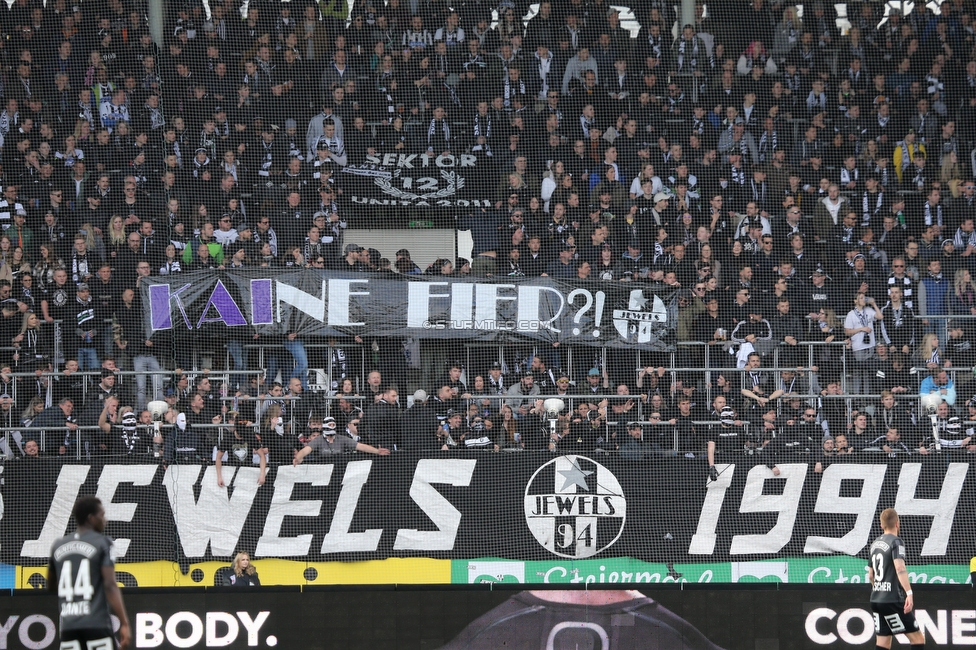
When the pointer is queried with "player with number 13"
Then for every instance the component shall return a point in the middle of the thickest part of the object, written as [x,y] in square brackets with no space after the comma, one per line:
[892,600]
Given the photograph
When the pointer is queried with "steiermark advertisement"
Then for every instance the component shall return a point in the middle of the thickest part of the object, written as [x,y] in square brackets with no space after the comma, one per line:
[823,570]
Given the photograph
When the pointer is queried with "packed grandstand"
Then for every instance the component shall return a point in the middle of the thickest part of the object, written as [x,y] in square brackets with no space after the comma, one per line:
[746,237]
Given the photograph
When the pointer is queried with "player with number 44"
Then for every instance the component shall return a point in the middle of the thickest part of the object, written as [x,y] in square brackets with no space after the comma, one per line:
[82,573]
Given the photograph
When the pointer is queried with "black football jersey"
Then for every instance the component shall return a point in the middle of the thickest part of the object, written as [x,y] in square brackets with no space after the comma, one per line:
[884,551]
[525,621]
[76,563]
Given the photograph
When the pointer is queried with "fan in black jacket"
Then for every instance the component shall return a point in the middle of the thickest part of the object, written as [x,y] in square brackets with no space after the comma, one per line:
[899,328]
[383,420]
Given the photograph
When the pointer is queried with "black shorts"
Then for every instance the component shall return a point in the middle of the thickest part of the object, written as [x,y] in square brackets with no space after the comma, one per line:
[87,640]
[890,618]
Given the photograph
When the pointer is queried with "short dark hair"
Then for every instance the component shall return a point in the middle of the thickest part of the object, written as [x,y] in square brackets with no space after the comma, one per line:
[85,507]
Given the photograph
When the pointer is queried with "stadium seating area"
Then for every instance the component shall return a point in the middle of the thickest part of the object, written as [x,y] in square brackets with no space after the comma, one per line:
[801,182]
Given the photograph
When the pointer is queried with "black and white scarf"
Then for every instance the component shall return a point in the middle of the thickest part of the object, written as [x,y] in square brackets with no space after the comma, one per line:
[849,175]
[654,44]
[933,215]
[690,49]
[511,90]
[738,175]
[86,113]
[156,119]
[7,121]
[758,193]
[792,82]
[815,101]
[767,144]
[920,130]
[209,142]
[882,173]
[908,153]
[432,129]
[586,124]
[866,210]
[482,125]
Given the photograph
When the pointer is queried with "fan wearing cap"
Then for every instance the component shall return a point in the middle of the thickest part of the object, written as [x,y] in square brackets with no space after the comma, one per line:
[632,445]
[753,333]
[450,433]
[105,387]
[521,396]
[862,280]
[951,262]
[563,268]
[351,259]
[87,333]
[330,444]
[238,446]
[818,294]
[597,383]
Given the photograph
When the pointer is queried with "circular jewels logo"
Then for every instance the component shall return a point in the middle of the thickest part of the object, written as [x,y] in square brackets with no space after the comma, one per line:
[575,507]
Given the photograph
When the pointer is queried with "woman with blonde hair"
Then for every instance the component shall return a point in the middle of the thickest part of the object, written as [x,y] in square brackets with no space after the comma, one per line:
[962,301]
[115,239]
[951,174]
[928,354]
[243,573]
[93,242]
[788,33]
[30,351]
[34,408]
[83,134]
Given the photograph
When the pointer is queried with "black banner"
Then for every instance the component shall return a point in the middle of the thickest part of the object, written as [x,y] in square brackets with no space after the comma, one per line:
[527,506]
[418,181]
[310,302]
[741,618]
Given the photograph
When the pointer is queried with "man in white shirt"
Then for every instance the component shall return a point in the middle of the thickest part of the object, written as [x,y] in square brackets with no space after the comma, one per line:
[859,327]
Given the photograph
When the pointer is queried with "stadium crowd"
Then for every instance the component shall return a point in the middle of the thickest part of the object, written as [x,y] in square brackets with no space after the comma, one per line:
[797,186]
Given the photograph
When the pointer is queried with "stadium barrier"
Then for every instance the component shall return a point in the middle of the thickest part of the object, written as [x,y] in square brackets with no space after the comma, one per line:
[739,617]
[529,517]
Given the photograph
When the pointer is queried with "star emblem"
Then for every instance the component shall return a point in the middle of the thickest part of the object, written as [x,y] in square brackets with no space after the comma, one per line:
[637,300]
[574,476]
